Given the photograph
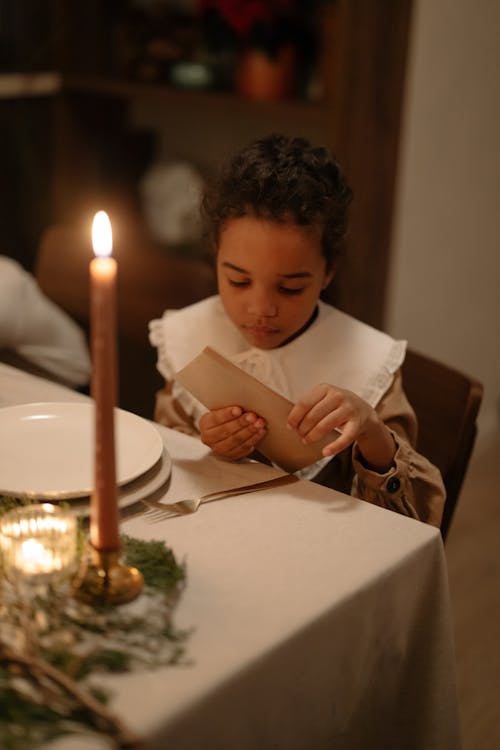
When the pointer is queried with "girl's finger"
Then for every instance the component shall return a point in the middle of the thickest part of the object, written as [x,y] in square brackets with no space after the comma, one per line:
[239,431]
[332,420]
[248,422]
[309,412]
[233,448]
[221,416]
[345,439]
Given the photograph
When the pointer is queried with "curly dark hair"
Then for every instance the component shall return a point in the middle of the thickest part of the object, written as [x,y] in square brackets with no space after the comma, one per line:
[282,179]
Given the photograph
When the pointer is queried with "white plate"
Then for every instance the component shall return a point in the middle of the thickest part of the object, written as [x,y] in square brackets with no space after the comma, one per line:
[131,493]
[46,449]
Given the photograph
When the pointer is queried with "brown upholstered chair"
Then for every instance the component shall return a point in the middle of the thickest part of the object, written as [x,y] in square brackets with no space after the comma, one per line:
[149,281]
[447,403]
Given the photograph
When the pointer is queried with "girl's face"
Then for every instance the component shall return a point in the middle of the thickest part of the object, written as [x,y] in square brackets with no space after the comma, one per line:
[270,276]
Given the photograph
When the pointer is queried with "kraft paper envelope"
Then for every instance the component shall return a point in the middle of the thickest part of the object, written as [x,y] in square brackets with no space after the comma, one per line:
[217,382]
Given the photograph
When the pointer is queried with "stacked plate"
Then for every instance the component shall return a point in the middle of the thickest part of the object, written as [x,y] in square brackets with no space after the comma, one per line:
[47,453]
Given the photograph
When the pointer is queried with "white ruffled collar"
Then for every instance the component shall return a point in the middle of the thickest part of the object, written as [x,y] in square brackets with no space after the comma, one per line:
[336,349]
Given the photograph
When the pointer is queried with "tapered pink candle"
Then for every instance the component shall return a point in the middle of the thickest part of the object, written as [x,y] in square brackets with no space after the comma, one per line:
[104,535]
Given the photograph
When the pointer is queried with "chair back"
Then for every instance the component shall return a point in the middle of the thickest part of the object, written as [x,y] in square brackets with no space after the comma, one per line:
[446,403]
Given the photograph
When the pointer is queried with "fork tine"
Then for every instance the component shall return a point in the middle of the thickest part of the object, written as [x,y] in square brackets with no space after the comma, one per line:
[154,515]
[157,516]
[157,512]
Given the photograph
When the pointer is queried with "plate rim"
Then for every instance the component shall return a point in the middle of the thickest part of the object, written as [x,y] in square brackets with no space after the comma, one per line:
[133,496]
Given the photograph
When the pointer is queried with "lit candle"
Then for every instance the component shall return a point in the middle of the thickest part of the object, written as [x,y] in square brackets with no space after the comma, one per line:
[34,558]
[38,542]
[104,534]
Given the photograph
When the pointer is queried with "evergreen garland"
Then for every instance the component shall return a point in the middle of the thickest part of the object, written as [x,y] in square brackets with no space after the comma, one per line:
[51,690]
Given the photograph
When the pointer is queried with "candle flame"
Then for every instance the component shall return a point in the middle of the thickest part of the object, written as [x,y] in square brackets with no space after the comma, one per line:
[102,237]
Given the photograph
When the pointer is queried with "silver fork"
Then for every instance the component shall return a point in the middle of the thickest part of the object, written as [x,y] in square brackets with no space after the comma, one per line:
[157,511]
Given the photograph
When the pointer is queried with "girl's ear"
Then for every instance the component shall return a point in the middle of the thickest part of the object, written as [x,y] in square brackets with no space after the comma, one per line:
[328,277]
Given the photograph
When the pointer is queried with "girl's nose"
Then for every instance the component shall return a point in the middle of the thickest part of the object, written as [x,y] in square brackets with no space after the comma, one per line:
[261,304]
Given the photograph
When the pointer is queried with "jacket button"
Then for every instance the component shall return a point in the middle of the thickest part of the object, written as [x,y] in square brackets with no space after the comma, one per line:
[393,485]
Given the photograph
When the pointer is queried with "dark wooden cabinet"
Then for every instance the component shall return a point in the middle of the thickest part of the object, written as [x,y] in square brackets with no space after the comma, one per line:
[101,139]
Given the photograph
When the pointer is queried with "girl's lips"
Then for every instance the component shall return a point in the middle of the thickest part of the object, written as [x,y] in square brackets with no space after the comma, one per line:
[261,331]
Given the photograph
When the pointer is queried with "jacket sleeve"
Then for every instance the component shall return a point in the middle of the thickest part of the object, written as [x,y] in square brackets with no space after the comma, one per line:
[412,486]
[37,330]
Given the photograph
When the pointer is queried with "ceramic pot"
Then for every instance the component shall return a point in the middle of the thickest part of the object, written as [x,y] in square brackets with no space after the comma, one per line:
[266,78]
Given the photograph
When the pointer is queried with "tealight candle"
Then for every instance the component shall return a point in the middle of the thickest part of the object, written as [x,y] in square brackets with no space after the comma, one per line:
[104,518]
[34,558]
[38,543]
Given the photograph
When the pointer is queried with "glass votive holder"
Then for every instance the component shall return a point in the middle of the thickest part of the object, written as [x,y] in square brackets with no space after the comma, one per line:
[38,544]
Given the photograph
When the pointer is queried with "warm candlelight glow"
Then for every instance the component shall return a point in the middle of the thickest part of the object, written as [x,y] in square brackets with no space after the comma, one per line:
[38,542]
[102,236]
[34,558]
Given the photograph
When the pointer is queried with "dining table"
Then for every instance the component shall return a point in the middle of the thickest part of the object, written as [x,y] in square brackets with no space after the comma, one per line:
[316,620]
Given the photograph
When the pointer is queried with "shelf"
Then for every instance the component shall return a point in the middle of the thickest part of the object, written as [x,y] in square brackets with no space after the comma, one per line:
[27,85]
[95,85]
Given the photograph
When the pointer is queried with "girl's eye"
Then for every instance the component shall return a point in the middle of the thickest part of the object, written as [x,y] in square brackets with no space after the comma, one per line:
[291,292]
[233,282]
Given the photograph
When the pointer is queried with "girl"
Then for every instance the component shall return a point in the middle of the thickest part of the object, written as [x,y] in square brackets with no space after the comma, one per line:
[277,217]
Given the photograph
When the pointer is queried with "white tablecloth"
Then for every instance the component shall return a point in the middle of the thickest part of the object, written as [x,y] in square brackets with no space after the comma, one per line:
[320,621]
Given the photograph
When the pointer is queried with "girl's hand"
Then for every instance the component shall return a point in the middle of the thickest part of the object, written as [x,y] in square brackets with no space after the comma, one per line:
[325,408]
[230,432]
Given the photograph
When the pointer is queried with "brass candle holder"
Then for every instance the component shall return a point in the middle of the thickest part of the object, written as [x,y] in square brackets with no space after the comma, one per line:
[106,580]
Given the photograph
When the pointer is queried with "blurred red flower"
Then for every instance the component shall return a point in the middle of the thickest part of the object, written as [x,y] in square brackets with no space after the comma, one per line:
[243,16]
